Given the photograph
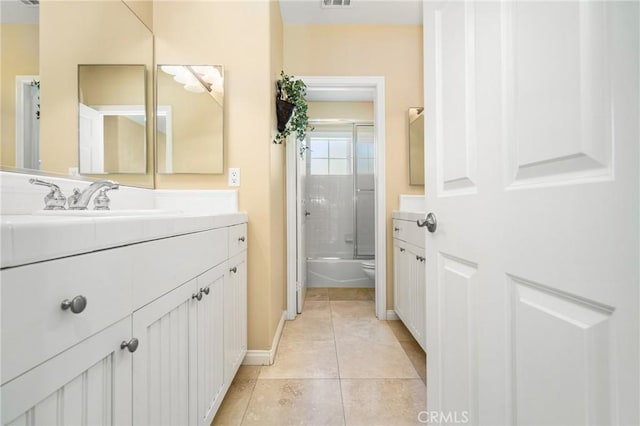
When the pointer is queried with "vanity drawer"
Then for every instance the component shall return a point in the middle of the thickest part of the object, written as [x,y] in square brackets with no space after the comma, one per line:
[237,239]
[409,231]
[162,265]
[35,327]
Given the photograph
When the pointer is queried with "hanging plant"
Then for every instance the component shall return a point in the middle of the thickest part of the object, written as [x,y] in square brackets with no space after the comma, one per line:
[291,108]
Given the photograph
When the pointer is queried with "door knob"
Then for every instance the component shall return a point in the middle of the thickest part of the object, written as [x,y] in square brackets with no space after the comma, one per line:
[75,305]
[431,222]
[131,345]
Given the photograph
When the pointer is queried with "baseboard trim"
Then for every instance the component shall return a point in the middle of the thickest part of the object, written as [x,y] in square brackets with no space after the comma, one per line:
[392,316]
[266,356]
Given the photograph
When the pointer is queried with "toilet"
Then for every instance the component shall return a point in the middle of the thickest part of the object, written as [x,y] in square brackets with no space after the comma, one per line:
[369,268]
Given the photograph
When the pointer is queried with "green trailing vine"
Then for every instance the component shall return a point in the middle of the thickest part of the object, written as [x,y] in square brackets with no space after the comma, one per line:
[293,90]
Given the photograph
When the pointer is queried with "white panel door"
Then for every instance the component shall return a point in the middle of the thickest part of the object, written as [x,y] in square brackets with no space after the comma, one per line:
[163,384]
[209,373]
[91,139]
[531,166]
[88,384]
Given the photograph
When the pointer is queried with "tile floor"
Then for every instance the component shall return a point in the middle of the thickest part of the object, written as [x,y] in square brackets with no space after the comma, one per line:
[336,365]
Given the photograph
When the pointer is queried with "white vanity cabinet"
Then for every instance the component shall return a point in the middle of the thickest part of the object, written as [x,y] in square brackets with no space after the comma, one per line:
[409,277]
[178,367]
[90,383]
[235,312]
[158,342]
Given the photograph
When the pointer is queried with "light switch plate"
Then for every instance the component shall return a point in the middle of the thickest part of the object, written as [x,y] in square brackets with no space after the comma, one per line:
[234,176]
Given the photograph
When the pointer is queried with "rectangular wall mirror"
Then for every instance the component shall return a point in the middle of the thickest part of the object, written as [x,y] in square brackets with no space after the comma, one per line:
[416,146]
[112,119]
[189,119]
[42,45]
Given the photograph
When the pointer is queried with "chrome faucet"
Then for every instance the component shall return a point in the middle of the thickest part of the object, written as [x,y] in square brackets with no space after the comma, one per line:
[80,200]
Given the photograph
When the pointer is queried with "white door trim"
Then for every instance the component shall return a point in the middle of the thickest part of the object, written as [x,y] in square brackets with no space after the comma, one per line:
[337,83]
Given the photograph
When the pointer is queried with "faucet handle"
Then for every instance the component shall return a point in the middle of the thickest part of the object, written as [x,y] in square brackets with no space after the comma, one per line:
[54,200]
[74,198]
[101,202]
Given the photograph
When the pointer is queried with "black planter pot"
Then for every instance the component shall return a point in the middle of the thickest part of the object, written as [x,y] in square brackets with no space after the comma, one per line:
[284,110]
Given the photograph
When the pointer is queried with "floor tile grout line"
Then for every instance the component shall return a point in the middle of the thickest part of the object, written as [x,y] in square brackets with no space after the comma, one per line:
[335,345]
[246,408]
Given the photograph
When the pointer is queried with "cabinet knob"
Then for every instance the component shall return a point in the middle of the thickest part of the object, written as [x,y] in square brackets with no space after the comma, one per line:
[396,229]
[131,345]
[241,239]
[401,250]
[75,305]
[197,295]
[233,270]
[205,290]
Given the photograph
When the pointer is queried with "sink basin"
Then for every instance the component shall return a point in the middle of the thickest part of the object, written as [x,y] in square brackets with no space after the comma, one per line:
[106,213]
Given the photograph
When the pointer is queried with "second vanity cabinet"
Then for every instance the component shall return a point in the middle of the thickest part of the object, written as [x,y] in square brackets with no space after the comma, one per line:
[409,277]
[161,335]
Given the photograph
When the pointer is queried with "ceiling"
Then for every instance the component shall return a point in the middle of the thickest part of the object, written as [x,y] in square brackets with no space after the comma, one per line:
[381,12]
[16,12]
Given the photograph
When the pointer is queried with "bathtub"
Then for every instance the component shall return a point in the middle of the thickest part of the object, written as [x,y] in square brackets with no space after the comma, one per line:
[336,273]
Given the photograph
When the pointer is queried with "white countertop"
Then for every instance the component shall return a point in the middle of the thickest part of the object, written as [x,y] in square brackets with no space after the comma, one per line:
[407,215]
[33,238]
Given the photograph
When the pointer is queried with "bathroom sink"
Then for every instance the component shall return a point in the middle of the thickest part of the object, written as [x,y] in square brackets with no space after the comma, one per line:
[106,213]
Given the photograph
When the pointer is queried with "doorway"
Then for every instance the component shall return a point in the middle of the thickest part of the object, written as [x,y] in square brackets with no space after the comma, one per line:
[28,122]
[336,89]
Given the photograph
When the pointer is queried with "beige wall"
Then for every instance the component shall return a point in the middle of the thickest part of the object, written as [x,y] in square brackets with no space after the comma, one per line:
[84,32]
[19,50]
[394,52]
[244,37]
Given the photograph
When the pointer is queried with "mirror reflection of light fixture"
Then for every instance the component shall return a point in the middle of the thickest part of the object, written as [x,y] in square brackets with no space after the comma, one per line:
[196,78]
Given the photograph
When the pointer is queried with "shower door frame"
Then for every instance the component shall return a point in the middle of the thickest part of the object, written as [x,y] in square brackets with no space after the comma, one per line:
[318,83]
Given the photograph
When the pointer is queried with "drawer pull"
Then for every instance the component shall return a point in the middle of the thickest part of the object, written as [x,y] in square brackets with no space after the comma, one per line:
[396,229]
[205,290]
[233,270]
[75,305]
[131,345]
[241,239]
[197,295]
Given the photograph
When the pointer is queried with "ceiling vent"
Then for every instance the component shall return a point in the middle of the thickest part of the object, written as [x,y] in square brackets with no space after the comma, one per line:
[31,2]
[336,3]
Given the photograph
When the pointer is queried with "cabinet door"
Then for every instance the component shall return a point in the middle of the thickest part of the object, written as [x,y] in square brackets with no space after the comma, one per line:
[401,270]
[89,383]
[210,343]
[418,314]
[235,316]
[162,381]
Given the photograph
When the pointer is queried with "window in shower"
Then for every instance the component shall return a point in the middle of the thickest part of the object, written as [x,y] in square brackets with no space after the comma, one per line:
[330,155]
[340,191]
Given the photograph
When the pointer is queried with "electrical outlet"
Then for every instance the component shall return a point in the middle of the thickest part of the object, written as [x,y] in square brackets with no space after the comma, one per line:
[234,176]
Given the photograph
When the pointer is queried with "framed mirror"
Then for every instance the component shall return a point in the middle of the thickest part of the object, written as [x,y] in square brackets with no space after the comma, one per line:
[189,119]
[112,119]
[416,146]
